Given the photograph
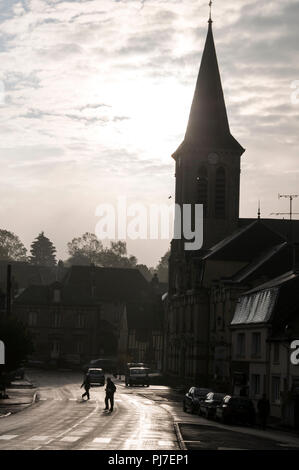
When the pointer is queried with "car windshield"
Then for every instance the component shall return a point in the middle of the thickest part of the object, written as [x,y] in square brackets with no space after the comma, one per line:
[199,392]
[218,396]
[96,371]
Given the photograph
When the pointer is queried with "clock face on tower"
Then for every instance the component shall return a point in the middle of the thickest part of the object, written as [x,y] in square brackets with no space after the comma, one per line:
[213,158]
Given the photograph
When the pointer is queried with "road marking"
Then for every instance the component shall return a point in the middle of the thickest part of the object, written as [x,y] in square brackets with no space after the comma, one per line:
[7,437]
[166,443]
[73,399]
[118,400]
[39,438]
[130,442]
[102,440]
[43,399]
[70,438]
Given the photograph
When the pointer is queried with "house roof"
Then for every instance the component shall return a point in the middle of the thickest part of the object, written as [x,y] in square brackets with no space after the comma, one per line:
[280,226]
[246,243]
[26,274]
[88,285]
[255,308]
[270,263]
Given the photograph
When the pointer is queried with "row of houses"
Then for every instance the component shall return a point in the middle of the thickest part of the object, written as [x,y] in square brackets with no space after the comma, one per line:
[91,313]
[232,327]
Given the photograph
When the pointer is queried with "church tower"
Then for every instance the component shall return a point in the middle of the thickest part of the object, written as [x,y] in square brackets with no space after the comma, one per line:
[208,160]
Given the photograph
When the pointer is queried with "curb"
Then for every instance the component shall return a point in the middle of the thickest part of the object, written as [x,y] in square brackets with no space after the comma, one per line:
[179,436]
[34,400]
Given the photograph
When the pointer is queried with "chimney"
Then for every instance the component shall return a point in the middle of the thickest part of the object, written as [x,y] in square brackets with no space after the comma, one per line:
[8,290]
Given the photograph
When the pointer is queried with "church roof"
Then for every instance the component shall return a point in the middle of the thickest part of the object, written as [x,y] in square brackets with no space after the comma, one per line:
[208,125]
[246,243]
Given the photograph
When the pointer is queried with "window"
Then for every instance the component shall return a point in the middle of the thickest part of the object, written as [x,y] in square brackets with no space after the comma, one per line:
[202,180]
[32,319]
[56,347]
[276,353]
[56,320]
[255,384]
[220,193]
[241,344]
[275,389]
[256,344]
[81,320]
[80,347]
[56,295]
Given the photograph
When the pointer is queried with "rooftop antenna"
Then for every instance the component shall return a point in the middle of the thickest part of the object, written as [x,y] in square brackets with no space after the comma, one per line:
[290,214]
[290,197]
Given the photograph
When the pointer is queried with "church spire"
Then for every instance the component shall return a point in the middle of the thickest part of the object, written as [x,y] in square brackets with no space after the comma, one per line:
[208,125]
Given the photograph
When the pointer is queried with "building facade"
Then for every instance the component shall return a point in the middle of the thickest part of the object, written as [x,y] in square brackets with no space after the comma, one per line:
[237,254]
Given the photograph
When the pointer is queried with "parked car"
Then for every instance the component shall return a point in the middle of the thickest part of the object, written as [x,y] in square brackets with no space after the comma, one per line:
[137,376]
[193,398]
[208,407]
[236,409]
[96,376]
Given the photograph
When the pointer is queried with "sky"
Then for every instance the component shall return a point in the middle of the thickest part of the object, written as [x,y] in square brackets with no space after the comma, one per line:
[95,97]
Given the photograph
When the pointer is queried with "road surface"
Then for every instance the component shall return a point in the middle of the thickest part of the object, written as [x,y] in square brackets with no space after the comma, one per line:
[143,419]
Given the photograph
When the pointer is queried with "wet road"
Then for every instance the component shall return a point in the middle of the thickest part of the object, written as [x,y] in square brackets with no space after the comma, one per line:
[143,419]
[61,420]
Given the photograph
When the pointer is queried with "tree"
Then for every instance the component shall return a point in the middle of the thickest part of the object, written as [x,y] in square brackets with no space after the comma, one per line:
[145,271]
[162,267]
[17,340]
[88,249]
[85,250]
[43,251]
[18,345]
[11,248]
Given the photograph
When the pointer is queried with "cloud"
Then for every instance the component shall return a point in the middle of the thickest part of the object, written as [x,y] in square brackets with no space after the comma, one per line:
[97,97]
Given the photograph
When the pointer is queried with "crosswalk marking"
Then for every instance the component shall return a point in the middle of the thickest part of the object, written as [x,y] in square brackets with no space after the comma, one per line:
[39,438]
[166,443]
[7,437]
[102,440]
[70,438]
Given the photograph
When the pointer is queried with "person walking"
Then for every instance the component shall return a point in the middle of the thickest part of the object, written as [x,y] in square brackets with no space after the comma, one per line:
[110,390]
[86,385]
[263,408]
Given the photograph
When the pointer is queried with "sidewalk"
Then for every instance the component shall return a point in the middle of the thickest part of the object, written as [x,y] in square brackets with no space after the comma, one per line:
[21,394]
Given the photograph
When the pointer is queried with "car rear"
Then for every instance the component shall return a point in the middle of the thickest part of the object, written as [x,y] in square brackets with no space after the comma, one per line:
[96,376]
[137,376]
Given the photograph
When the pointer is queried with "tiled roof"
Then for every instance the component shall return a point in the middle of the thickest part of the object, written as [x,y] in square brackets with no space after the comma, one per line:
[88,285]
[256,307]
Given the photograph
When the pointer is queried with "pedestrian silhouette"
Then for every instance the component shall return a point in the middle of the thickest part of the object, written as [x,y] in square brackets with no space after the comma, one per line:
[86,385]
[263,408]
[110,390]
